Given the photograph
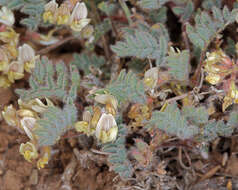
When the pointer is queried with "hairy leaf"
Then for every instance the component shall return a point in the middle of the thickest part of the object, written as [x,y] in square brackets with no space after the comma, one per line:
[184,12]
[142,45]
[207,27]
[151,4]
[118,157]
[178,64]
[173,122]
[127,87]
[84,62]
[54,123]
[43,83]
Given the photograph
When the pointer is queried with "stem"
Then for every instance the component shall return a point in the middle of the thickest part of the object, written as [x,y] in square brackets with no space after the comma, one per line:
[126,10]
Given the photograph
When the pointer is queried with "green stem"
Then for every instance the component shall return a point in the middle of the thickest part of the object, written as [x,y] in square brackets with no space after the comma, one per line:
[126,10]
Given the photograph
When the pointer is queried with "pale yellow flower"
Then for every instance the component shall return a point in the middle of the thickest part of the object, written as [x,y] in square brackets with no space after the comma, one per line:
[231,97]
[45,158]
[10,116]
[50,11]
[109,100]
[27,57]
[29,151]
[36,105]
[63,14]
[4,82]
[15,71]
[6,16]
[3,59]
[151,77]
[78,18]
[106,130]
[9,36]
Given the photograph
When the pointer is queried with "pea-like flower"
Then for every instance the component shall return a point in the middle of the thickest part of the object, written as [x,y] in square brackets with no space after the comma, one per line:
[10,115]
[63,14]
[150,78]
[6,16]
[4,82]
[27,57]
[78,18]
[106,130]
[3,59]
[45,158]
[217,66]
[50,11]
[29,151]
[110,102]
[15,71]
[231,97]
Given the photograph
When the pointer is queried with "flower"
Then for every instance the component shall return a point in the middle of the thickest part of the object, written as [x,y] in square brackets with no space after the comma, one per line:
[10,115]
[87,32]
[109,100]
[9,36]
[35,105]
[63,14]
[27,57]
[231,97]
[217,66]
[4,82]
[50,11]
[45,158]
[6,16]
[29,151]
[78,18]
[3,59]
[106,130]
[151,77]
[28,123]
[15,71]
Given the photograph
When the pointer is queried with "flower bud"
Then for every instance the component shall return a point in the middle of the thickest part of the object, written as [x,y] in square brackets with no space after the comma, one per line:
[10,116]
[45,158]
[50,10]
[6,16]
[106,130]
[63,14]
[29,151]
[78,18]
[27,57]
[151,77]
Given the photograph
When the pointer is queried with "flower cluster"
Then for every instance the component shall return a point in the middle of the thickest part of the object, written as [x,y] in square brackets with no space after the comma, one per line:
[221,70]
[13,60]
[24,119]
[74,16]
[102,122]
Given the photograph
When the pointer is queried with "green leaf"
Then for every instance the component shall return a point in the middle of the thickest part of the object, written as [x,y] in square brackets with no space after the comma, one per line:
[127,87]
[142,45]
[173,122]
[118,157]
[54,123]
[178,64]
[208,27]
[43,83]
[184,12]
[151,4]
[85,61]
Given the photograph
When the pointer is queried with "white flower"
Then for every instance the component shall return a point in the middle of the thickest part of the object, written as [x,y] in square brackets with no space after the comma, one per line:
[78,19]
[28,124]
[106,130]
[6,16]
[151,77]
[27,57]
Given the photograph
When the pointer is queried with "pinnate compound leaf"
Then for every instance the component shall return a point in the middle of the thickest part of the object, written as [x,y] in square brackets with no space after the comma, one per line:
[127,87]
[118,157]
[151,4]
[84,62]
[43,83]
[173,122]
[142,44]
[208,27]
[178,64]
[54,123]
